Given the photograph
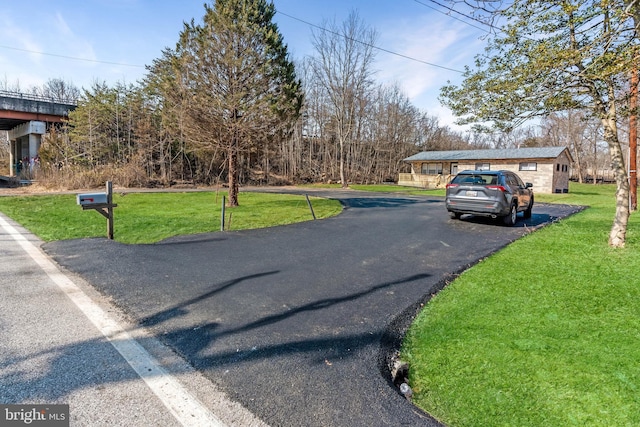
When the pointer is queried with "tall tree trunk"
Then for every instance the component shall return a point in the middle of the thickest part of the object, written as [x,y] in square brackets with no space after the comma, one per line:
[578,164]
[633,139]
[343,180]
[618,232]
[233,176]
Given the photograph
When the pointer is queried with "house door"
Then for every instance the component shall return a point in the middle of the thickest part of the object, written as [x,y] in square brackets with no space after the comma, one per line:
[454,168]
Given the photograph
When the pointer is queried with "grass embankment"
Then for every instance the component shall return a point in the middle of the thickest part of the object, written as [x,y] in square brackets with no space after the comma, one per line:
[544,333]
[151,217]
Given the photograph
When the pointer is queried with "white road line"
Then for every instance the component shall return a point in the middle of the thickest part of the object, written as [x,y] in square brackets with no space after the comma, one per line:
[180,402]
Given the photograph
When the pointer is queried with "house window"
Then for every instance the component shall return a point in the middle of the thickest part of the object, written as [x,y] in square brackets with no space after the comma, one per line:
[483,166]
[565,168]
[432,168]
[528,166]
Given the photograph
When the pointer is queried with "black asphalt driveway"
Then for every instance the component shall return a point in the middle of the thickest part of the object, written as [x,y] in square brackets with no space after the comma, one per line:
[297,322]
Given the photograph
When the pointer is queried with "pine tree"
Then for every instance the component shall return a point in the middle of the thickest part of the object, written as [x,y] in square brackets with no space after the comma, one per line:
[232,79]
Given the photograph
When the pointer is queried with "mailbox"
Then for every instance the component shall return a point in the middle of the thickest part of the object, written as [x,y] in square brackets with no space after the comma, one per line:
[101,203]
[91,199]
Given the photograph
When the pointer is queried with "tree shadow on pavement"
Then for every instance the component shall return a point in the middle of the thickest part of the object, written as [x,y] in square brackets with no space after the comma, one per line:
[207,332]
[180,309]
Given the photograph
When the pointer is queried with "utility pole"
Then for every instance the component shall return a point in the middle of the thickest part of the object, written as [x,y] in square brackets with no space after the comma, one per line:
[633,139]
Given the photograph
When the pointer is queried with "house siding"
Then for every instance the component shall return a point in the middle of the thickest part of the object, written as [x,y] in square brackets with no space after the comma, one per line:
[551,174]
[561,177]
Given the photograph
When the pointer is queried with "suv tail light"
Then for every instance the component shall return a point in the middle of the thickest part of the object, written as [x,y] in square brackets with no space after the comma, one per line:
[497,187]
[452,185]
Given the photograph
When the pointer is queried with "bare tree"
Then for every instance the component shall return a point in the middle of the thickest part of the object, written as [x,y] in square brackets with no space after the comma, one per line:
[343,67]
[9,87]
[59,90]
[575,130]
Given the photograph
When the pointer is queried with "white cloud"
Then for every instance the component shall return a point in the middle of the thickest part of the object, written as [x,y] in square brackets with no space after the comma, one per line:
[430,39]
[62,26]
[69,41]
[19,38]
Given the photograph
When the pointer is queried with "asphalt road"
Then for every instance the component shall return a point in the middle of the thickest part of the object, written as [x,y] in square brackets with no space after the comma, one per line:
[297,323]
[64,344]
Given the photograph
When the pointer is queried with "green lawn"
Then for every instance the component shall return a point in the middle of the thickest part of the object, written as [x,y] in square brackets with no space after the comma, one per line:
[544,333]
[388,188]
[151,217]
[384,188]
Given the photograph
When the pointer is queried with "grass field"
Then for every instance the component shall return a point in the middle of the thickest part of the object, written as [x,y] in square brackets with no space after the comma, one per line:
[544,333]
[151,217]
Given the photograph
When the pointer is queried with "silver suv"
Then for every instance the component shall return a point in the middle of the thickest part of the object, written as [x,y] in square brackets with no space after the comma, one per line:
[496,194]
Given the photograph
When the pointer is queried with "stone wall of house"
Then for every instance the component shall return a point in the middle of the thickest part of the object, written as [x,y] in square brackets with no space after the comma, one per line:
[424,181]
[542,178]
[550,176]
[562,173]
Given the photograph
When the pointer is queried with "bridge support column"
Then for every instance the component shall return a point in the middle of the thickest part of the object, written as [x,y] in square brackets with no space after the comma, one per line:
[24,143]
[12,157]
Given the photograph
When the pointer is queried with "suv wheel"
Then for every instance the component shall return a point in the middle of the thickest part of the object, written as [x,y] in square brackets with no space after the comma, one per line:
[510,219]
[455,215]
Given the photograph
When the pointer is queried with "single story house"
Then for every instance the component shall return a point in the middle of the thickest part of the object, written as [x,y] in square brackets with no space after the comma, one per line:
[547,168]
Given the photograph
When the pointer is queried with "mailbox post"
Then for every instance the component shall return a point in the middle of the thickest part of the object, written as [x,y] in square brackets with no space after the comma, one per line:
[101,203]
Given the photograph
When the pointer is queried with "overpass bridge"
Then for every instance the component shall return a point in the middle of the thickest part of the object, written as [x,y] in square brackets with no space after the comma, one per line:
[27,118]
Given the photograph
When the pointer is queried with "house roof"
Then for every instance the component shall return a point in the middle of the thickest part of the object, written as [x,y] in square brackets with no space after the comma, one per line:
[493,154]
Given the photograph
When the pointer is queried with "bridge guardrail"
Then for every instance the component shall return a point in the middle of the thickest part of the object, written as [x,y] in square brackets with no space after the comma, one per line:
[31,97]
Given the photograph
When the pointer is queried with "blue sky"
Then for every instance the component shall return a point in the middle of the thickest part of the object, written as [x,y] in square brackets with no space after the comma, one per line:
[114,39]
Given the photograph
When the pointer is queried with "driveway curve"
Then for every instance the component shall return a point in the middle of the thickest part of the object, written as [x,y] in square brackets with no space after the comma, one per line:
[297,322]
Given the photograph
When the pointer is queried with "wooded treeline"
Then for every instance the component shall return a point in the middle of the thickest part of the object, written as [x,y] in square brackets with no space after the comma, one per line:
[348,128]
[182,123]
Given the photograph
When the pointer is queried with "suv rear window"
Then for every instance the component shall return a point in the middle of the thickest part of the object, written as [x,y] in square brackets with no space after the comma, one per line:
[476,179]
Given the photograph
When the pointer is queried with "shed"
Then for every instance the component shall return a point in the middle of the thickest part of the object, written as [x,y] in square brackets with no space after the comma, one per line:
[547,168]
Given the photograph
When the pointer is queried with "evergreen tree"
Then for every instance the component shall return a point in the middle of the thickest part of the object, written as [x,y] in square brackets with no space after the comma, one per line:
[232,81]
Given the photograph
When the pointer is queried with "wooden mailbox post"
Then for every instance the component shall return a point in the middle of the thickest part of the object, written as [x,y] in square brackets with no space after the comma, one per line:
[102,203]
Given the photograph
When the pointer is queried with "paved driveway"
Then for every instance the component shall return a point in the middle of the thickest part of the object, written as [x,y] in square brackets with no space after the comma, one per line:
[296,322]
